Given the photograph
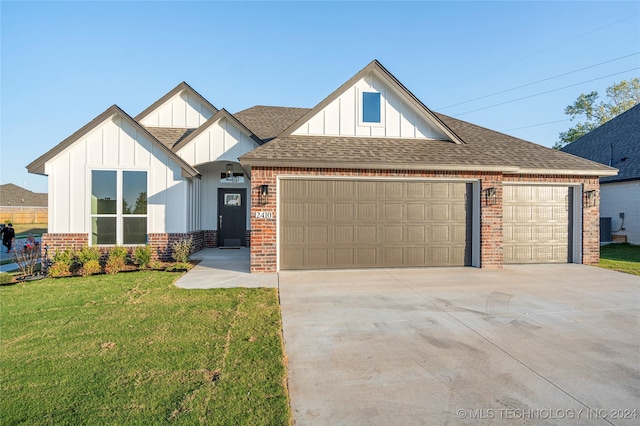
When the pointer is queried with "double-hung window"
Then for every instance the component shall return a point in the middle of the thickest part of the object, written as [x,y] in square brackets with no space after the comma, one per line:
[118,207]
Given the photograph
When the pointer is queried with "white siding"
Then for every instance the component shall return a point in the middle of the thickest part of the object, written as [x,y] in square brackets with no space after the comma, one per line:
[182,110]
[209,186]
[399,118]
[114,145]
[221,141]
[622,197]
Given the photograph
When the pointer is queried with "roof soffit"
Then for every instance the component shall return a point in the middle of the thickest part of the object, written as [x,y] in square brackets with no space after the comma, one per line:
[392,82]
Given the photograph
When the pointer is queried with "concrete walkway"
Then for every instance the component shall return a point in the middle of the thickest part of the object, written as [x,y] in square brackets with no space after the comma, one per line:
[224,268]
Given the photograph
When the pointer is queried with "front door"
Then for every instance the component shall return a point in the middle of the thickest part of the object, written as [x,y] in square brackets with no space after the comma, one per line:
[232,217]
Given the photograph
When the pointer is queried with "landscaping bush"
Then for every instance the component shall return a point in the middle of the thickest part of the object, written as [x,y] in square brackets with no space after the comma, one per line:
[63,261]
[87,254]
[59,269]
[181,250]
[90,267]
[142,256]
[5,278]
[116,260]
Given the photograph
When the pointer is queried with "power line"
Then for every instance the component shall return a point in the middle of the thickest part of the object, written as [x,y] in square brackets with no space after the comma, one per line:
[537,125]
[548,91]
[536,82]
[535,53]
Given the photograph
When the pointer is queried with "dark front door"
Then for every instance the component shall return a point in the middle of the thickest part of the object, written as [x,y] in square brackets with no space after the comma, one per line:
[232,217]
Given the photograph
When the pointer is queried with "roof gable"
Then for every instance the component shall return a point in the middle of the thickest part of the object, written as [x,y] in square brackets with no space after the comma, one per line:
[222,137]
[616,143]
[38,165]
[402,114]
[180,107]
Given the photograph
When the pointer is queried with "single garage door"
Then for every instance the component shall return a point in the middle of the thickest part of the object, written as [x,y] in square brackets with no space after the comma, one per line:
[537,224]
[337,223]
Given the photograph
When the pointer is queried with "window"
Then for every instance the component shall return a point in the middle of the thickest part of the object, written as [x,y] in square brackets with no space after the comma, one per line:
[371,107]
[118,207]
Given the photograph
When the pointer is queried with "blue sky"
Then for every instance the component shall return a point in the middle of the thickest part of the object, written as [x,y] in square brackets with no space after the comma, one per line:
[64,63]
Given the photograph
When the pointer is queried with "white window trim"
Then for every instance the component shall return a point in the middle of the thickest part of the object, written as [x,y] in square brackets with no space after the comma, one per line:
[361,109]
[118,215]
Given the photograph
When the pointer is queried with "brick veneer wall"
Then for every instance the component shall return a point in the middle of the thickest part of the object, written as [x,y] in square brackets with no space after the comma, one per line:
[263,230]
[61,242]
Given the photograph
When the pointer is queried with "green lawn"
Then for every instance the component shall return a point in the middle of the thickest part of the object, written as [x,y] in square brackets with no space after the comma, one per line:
[133,349]
[621,257]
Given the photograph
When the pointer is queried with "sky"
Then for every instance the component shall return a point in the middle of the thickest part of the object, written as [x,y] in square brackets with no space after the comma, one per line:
[511,66]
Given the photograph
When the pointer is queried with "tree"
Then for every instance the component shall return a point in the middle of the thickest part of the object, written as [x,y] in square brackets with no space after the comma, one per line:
[620,97]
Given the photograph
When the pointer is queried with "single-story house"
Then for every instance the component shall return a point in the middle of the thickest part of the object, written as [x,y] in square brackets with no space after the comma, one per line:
[616,143]
[369,177]
[19,205]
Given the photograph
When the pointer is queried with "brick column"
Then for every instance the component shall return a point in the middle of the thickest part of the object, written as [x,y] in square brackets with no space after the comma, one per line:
[591,225]
[491,236]
[263,229]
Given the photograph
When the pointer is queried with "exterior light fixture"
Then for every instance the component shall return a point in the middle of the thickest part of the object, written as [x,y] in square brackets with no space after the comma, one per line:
[229,170]
[490,196]
[589,199]
[264,194]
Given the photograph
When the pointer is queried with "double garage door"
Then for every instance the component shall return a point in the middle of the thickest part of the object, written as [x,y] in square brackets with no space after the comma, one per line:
[327,223]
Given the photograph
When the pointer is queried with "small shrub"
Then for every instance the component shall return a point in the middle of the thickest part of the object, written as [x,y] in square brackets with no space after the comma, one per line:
[90,267]
[156,265]
[116,260]
[64,256]
[142,256]
[88,254]
[181,250]
[59,269]
[5,278]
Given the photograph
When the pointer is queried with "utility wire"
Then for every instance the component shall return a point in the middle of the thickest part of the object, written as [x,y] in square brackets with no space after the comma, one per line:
[536,82]
[534,53]
[537,125]
[548,91]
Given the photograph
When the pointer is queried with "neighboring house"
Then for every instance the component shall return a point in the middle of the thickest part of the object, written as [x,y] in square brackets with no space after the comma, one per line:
[19,205]
[617,144]
[370,177]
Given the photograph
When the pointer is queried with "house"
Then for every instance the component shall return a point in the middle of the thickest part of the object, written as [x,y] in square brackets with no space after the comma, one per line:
[19,205]
[369,177]
[616,143]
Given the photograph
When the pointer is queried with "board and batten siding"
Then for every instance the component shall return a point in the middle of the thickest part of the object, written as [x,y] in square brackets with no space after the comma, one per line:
[222,141]
[114,145]
[399,119]
[622,197]
[182,110]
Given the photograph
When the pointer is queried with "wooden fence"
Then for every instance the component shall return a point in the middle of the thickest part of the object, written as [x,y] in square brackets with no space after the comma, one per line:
[24,215]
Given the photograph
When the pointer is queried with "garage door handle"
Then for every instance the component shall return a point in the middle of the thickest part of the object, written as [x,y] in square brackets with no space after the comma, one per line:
[220,222]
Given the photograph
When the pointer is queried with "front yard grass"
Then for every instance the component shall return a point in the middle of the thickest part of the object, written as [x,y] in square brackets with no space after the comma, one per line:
[134,349]
[621,257]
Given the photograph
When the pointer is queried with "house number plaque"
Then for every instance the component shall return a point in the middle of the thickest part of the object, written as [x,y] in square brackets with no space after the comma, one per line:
[264,215]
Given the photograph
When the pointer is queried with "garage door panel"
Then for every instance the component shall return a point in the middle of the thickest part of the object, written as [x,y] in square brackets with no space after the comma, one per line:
[536,224]
[376,224]
[344,234]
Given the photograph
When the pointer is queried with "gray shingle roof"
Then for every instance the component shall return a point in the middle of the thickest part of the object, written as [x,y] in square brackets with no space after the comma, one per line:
[615,143]
[15,196]
[483,149]
[267,122]
[169,136]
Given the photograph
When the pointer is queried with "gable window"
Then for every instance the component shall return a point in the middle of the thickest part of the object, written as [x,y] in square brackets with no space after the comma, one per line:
[371,107]
[118,207]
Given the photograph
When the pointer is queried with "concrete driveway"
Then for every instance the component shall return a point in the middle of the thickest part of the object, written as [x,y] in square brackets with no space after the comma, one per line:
[542,344]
